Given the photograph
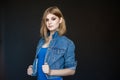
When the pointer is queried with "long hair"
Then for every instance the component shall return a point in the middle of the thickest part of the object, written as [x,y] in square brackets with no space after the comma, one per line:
[62,27]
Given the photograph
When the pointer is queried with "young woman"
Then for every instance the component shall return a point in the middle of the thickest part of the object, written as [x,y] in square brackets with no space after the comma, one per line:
[55,52]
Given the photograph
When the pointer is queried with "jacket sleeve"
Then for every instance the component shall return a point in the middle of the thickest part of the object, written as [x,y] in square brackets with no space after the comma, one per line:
[70,61]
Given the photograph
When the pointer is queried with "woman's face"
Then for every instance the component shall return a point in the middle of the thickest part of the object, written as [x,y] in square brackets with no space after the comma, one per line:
[52,22]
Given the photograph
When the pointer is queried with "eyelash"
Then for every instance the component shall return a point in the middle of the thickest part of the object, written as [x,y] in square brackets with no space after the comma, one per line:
[51,19]
[47,19]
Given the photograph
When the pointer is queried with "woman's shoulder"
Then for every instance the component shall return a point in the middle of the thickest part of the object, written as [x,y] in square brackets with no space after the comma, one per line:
[66,39]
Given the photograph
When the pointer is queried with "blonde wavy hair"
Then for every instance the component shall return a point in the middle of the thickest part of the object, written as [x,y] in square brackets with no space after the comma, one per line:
[62,27]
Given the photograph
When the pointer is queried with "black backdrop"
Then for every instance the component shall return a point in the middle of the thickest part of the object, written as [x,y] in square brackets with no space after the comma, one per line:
[92,25]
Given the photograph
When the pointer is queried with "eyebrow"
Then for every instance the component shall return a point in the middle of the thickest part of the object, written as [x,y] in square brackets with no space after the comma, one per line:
[52,17]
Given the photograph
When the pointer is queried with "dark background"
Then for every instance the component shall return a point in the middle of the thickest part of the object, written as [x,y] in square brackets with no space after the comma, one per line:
[91,24]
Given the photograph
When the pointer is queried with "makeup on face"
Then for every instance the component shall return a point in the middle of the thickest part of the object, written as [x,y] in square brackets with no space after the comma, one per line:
[52,22]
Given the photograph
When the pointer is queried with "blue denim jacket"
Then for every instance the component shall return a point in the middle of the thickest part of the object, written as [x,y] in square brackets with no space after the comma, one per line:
[60,53]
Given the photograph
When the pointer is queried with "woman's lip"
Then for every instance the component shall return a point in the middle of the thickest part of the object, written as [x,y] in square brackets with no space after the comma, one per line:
[50,26]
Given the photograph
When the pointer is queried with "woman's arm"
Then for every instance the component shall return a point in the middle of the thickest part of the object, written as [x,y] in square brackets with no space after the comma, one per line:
[60,72]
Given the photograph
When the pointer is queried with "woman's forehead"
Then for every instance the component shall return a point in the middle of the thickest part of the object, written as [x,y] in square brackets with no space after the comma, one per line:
[50,15]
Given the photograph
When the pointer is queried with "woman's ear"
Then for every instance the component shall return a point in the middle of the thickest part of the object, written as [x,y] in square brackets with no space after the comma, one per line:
[61,20]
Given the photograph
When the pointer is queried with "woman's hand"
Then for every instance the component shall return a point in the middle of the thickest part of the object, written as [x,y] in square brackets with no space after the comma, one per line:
[29,70]
[46,68]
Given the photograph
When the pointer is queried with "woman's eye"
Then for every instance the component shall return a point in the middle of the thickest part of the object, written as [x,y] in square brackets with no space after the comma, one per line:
[47,19]
[53,19]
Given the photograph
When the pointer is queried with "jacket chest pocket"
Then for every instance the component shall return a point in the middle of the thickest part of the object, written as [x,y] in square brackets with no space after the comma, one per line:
[58,51]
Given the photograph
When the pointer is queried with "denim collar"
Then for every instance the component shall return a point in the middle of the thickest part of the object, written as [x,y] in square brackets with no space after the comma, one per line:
[55,35]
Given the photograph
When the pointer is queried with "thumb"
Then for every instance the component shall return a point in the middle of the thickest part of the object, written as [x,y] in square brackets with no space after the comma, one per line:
[30,66]
[45,63]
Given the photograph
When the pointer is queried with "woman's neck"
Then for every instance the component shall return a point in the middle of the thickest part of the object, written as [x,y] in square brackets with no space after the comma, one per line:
[51,34]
